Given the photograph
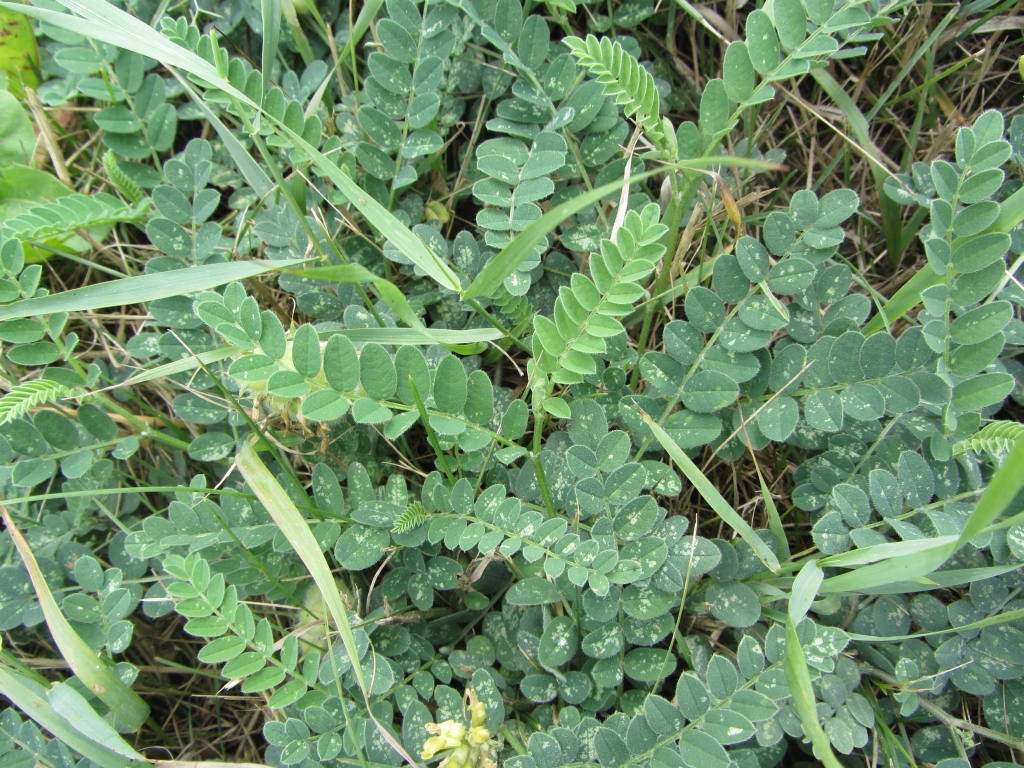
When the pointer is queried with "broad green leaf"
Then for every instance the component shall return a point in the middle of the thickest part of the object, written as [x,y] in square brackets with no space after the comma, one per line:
[738,72]
[17,139]
[533,591]
[762,42]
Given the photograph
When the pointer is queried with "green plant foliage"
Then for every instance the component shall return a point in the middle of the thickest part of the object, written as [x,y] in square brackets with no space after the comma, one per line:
[383,434]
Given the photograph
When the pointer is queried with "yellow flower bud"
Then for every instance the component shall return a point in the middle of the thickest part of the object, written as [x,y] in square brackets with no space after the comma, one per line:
[457,759]
[479,735]
[477,710]
[453,732]
[431,747]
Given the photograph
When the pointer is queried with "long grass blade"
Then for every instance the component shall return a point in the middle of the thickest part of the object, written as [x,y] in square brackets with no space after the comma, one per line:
[380,217]
[512,255]
[890,571]
[271,11]
[1002,489]
[712,496]
[72,706]
[126,705]
[179,366]
[891,219]
[295,529]
[799,679]
[31,698]
[249,168]
[143,288]
[805,589]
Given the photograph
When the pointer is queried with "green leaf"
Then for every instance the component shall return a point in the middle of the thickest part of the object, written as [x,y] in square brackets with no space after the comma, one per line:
[306,351]
[980,323]
[211,446]
[223,649]
[377,372]
[779,418]
[558,643]
[712,496]
[982,391]
[762,42]
[324,405]
[709,391]
[450,385]
[976,253]
[790,23]
[734,603]
[17,139]
[738,72]
[714,107]
[700,750]
[341,364]
[532,591]
[611,749]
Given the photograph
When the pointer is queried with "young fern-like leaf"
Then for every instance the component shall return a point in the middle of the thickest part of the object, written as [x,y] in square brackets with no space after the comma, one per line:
[623,77]
[516,309]
[28,395]
[997,439]
[69,214]
[129,190]
[413,517]
[585,311]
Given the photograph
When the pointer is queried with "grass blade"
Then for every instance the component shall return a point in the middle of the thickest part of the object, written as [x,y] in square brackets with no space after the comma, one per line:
[890,571]
[905,299]
[513,254]
[135,290]
[774,520]
[271,10]
[379,217]
[179,366]
[126,705]
[295,529]
[805,589]
[31,698]
[799,679]
[892,224]
[249,168]
[72,706]
[1001,490]
[102,21]
[712,496]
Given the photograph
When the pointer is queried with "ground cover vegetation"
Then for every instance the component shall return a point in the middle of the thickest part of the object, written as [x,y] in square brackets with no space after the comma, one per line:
[467,384]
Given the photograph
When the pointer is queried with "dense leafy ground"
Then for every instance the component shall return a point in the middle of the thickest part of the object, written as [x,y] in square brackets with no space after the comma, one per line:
[464,384]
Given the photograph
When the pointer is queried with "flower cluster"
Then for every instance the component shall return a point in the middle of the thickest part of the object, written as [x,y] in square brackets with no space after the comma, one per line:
[471,747]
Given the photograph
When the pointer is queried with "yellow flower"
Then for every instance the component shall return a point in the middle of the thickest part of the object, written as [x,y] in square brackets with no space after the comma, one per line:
[471,747]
